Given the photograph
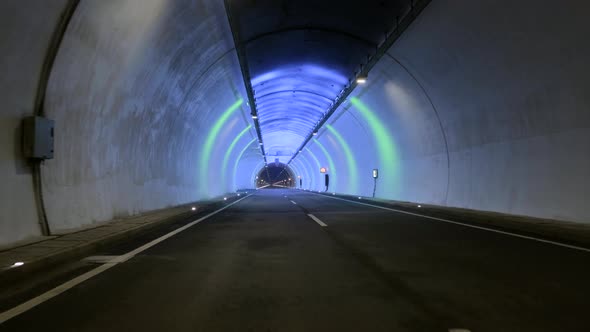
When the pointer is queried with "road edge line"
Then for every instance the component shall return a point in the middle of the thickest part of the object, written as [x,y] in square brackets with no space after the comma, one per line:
[39,299]
[560,244]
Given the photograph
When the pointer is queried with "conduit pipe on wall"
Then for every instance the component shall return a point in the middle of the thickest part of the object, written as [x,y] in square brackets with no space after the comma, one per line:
[48,62]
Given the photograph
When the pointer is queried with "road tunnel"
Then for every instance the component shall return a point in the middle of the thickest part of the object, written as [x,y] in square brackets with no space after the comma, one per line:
[294,165]
[158,103]
[275,175]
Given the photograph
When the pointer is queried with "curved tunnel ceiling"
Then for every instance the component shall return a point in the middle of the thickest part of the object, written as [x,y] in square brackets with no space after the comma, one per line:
[301,55]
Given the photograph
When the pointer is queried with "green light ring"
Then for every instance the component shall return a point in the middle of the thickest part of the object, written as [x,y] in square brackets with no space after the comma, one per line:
[235,170]
[318,164]
[297,171]
[209,142]
[330,162]
[317,161]
[350,161]
[295,168]
[304,174]
[229,152]
[309,169]
[388,154]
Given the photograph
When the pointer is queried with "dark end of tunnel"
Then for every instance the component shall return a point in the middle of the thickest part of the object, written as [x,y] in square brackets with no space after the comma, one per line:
[275,175]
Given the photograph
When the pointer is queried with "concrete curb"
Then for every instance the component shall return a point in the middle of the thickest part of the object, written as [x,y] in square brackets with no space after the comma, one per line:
[85,248]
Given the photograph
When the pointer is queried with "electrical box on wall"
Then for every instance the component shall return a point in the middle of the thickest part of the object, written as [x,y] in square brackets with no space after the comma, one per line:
[38,137]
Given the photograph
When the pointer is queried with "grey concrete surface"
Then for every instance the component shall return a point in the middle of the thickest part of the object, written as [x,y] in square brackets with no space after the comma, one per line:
[25,32]
[107,163]
[138,85]
[264,265]
[60,248]
[510,89]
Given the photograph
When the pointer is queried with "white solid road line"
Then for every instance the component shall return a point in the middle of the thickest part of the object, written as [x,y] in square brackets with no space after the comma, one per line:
[53,293]
[321,223]
[463,224]
[293,202]
[103,259]
[21,308]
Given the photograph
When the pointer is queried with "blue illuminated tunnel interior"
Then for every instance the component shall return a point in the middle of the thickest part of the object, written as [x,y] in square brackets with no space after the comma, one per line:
[298,67]
[290,102]
[177,101]
[303,165]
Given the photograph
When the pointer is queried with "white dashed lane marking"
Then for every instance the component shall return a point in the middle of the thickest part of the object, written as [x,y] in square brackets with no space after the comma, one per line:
[321,223]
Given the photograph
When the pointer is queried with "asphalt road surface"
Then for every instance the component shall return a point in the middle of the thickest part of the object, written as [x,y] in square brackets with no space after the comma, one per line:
[286,260]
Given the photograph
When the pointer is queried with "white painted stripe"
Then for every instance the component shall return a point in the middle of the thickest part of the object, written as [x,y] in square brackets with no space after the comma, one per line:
[321,223]
[6,315]
[103,259]
[464,224]
[148,245]
[52,293]
[293,202]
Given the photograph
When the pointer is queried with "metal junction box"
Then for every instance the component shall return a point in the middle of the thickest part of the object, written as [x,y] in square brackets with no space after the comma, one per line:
[38,137]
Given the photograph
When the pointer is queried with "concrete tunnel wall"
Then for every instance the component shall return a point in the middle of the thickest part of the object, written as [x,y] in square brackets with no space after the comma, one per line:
[23,42]
[149,106]
[477,105]
[152,93]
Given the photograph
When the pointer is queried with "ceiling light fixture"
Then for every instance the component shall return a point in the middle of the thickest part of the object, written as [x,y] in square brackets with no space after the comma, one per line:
[361,79]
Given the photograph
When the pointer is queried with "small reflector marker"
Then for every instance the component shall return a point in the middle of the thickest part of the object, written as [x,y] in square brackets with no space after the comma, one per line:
[17,264]
[419,205]
[193,208]
[225,198]
[360,197]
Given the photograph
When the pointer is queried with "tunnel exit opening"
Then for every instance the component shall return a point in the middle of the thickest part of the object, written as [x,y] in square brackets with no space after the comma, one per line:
[275,175]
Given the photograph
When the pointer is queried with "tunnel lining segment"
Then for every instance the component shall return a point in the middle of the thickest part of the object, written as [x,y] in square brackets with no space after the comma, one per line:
[442,129]
[416,8]
[38,110]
